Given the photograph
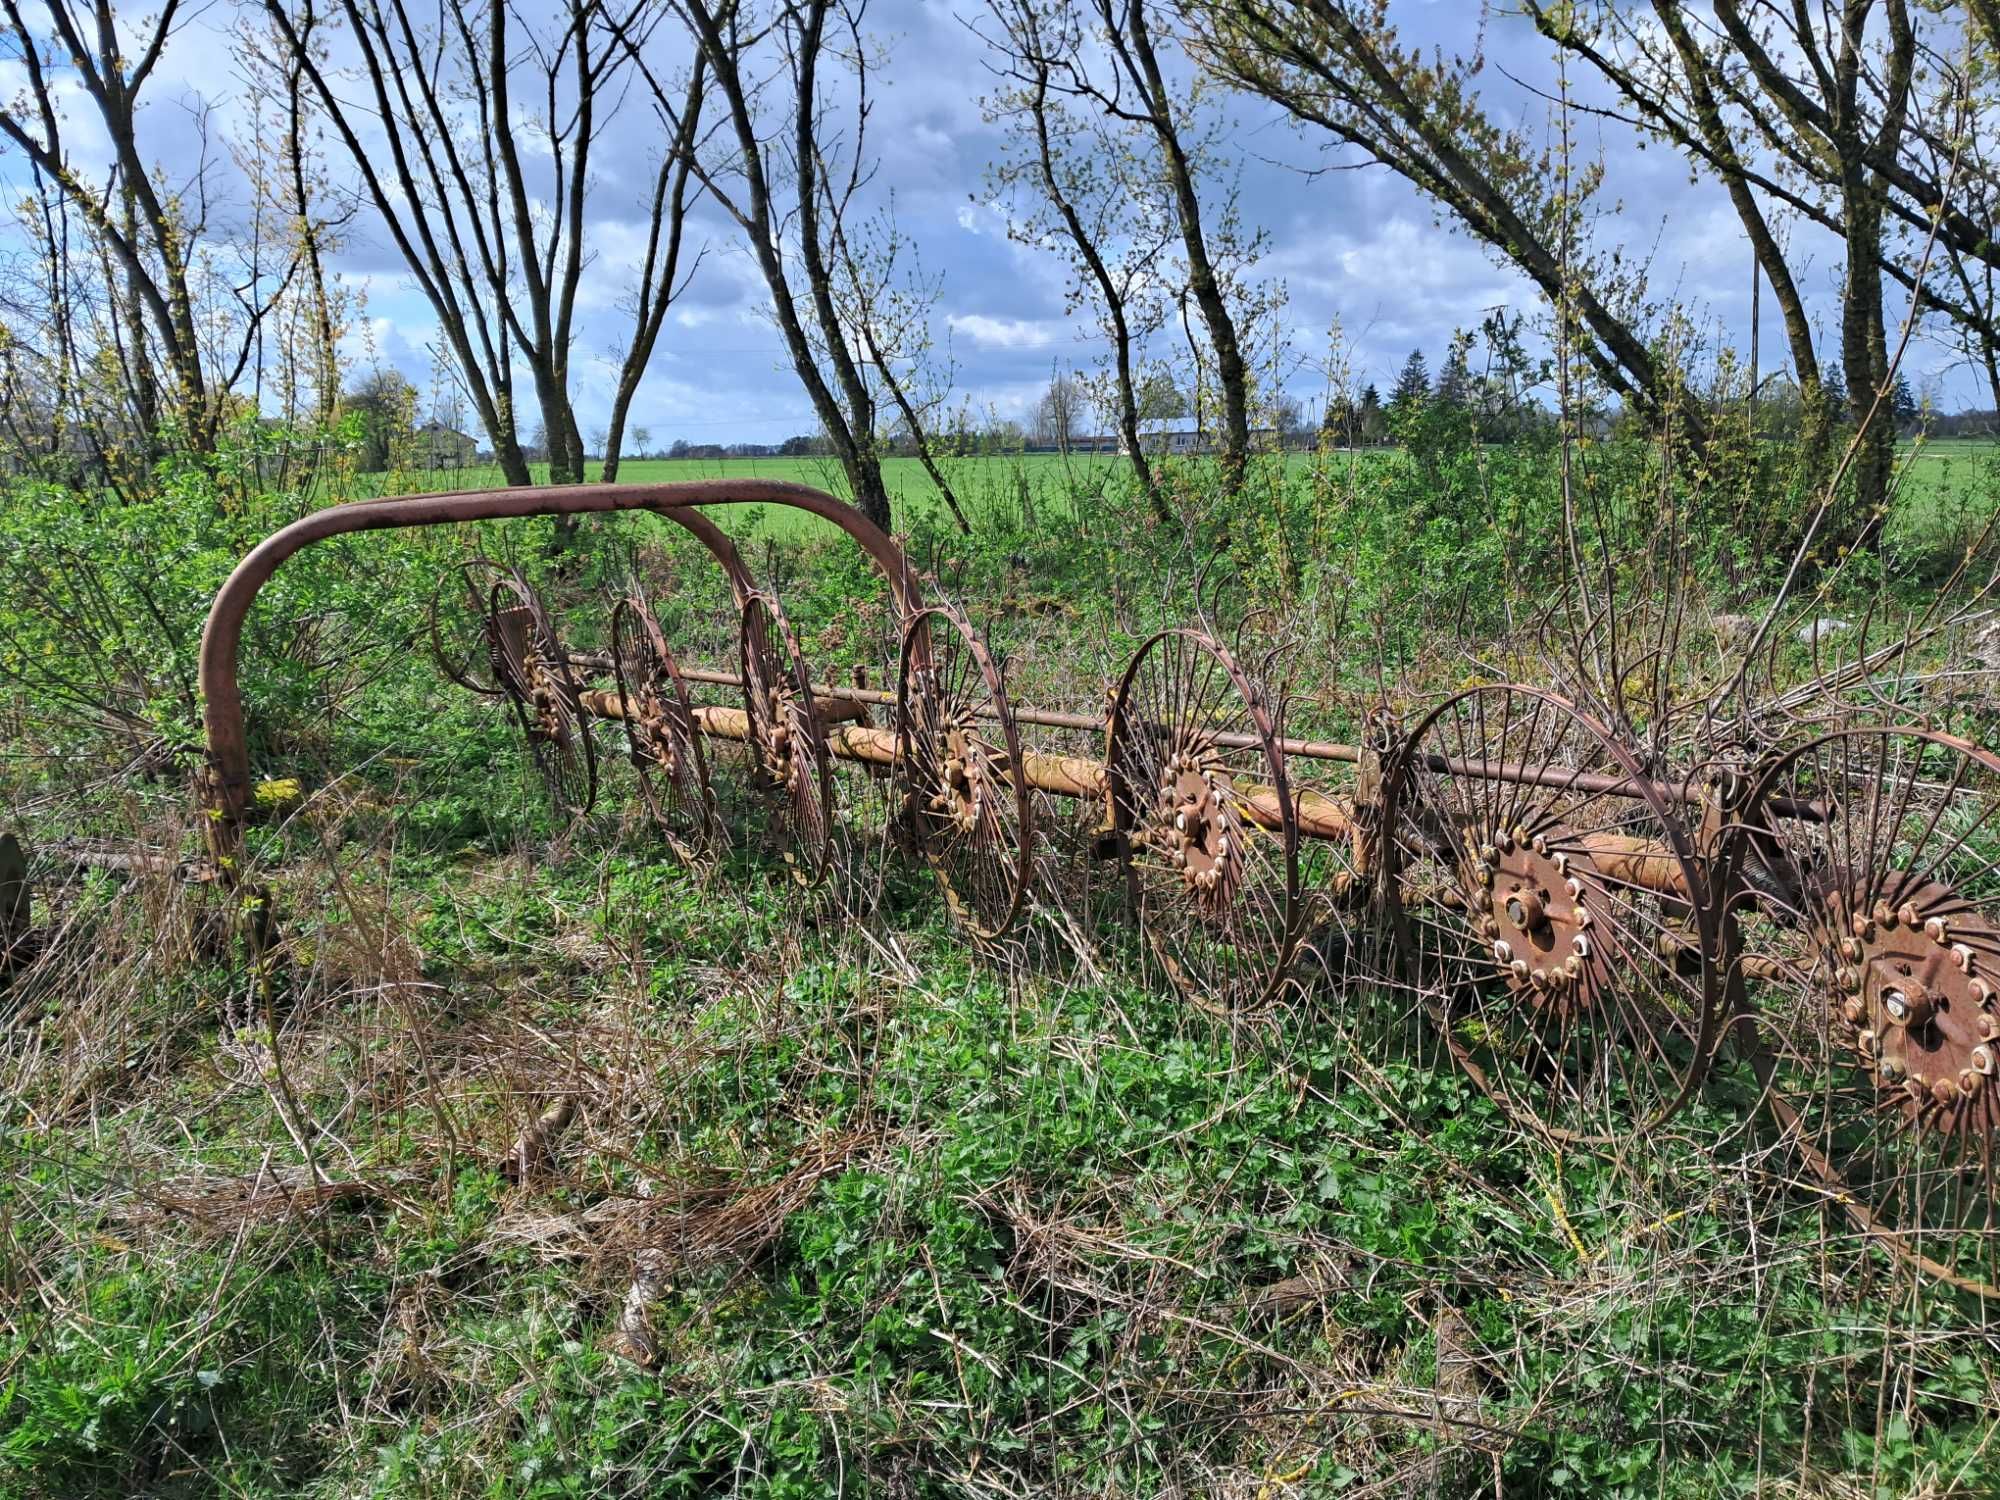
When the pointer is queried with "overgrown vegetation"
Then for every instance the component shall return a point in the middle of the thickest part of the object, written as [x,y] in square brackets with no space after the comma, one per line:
[533,1161]
[896,1219]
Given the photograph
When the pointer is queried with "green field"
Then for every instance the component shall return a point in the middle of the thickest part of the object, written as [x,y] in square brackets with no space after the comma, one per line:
[1939,479]
[1949,477]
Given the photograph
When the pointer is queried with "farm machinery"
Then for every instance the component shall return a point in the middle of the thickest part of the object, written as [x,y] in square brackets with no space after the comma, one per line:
[1590,934]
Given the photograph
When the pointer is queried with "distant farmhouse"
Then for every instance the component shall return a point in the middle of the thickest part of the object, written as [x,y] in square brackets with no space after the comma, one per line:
[440,447]
[1172,435]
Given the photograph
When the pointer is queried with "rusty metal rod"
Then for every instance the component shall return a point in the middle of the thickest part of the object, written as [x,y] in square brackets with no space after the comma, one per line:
[874,697]
[1632,861]
[1042,718]
[1590,783]
[1317,816]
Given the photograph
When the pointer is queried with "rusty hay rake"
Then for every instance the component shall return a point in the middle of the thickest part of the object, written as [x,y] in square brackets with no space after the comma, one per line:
[1587,935]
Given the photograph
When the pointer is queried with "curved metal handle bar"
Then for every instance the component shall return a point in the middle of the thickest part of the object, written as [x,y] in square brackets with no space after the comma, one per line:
[228,780]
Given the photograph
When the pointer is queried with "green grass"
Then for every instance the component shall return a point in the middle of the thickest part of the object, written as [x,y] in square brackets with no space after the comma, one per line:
[932,1222]
[1943,483]
[1041,1250]
[1951,482]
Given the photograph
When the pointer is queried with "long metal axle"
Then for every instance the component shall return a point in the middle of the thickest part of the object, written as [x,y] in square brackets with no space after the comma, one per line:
[1632,861]
[1059,775]
[1587,783]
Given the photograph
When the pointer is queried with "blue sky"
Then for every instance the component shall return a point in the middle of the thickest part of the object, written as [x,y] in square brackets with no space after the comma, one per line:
[1356,247]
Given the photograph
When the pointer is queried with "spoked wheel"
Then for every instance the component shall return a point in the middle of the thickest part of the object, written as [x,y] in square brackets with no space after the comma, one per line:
[661,729]
[1882,1047]
[958,754]
[1205,822]
[1544,897]
[462,641]
[789,761]
[532,669]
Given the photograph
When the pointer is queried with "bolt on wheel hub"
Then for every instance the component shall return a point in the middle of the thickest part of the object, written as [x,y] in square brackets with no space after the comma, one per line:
[1194,827]
[657,743]
[1913,1002]
[546,698]
[1533,908]
[965,778]
[785,768]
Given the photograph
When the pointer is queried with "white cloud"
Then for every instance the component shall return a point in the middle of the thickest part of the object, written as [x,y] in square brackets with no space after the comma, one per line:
[1357,247]
[986,332]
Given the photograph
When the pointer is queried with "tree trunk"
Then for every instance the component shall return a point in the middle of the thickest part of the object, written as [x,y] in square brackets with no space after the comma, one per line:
[614,435]
[1128,418]
[849,429]
[918,436]
[864,478]
[1108,288]
[1230,371]
[1864,350]
[1863,337]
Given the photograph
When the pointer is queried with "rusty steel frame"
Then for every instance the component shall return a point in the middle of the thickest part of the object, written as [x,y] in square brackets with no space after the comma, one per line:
[1074,776]
[947,772]
[1639,788]
[228,775]
[227,782]
[1704,868]
[1640,862]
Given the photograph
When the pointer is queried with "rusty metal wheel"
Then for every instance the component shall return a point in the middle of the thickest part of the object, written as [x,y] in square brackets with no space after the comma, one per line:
[789,759]
[1545,899]
[462,642]
[957,755]
[1203,816]
[1878,1028]
[661,729]
[532,669]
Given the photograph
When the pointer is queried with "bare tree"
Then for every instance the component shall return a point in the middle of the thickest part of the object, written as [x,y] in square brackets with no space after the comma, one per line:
[789,176]
[1059,412]
[890,318]
[1340,67]
[1857,120]
[1151,103]
[660,280]
[292,204]
[1135,90]
[166,315]
[497,248]
[1082,200]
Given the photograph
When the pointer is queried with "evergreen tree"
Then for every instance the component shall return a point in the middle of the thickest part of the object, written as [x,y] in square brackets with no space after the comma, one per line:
[1369,419]
[1413,386]
[1454,382]
[1903,405]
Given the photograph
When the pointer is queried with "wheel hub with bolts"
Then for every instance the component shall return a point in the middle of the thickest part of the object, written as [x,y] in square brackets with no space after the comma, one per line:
[657,742]
[785,769]
[966,779]
[1532,906]
[1196,831]
[1914,1000]
[546,697]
